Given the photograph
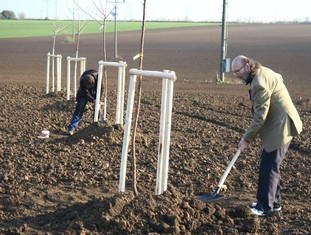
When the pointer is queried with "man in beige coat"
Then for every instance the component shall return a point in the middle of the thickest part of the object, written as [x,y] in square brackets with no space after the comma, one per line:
[275,120]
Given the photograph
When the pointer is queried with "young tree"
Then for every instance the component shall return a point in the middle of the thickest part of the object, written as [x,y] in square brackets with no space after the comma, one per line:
[103,14]
[138,100]
[56,29]
[78,28]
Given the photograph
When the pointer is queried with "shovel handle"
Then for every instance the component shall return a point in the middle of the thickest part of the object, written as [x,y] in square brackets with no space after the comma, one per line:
[225,174]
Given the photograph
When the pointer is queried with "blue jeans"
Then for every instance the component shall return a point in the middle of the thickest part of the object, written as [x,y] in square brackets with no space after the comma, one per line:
[78,113]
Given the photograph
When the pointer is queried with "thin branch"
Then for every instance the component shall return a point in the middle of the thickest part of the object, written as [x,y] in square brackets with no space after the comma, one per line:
[102,11]
[87,13]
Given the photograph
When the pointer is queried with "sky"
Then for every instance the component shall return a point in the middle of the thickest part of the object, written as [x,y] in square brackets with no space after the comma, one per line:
[264,11]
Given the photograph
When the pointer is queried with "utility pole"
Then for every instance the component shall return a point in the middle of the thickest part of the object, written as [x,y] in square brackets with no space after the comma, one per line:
[114,14]
[115,31]
[224,37]
[55,9]
[47,9]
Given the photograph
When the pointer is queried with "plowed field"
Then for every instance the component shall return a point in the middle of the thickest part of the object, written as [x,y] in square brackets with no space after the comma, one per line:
[69,185]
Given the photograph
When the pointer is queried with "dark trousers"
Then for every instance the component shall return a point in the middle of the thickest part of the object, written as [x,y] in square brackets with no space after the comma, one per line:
[269,189]
[78,113]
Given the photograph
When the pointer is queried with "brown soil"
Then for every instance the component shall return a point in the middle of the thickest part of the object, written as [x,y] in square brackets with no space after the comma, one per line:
[69,185]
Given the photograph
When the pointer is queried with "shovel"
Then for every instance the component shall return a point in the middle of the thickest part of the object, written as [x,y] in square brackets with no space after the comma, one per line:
[216,196]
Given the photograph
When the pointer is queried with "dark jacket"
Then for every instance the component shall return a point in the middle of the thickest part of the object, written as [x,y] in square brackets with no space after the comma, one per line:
[89,93]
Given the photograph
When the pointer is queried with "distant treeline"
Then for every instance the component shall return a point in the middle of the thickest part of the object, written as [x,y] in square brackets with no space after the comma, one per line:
[7,15]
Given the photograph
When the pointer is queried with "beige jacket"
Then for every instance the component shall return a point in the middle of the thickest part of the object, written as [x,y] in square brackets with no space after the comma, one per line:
[275,117]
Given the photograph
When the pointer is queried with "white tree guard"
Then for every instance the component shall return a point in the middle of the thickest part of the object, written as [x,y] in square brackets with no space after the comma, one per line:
[120,90]
[168,79]
[58,72]
[82,61]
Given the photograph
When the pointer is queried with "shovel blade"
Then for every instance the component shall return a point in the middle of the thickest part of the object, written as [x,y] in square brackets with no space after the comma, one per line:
[210,198]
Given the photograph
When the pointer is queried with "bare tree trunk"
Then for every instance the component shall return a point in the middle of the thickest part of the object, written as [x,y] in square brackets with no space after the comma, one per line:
[105,81]
[138,101]
[53,62]
[104,40]
[102,10]
[77,39]
[53,47]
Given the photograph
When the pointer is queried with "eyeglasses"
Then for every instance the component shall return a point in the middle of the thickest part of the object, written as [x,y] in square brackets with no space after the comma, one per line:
[238,70]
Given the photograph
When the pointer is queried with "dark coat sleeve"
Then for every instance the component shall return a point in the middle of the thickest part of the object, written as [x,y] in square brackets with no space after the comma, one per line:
[101,90]
[83,91]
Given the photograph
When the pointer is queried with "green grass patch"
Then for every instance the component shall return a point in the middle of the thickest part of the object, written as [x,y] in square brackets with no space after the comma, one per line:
[36,28]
